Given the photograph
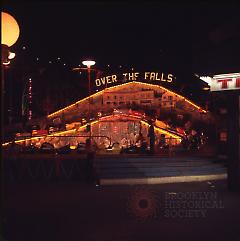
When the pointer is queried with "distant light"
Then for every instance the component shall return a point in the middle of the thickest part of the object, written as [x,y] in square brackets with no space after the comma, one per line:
[58,58]
[132,69]
[6,63]
[120,66]
[88,63]
[64,64]
[206,88]
[37,59]
[73,147]
[11,55]
[108,65]
[206,79]
[24,48]
[49,62]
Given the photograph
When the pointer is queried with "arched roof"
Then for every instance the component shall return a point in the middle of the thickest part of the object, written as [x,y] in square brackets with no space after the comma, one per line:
[126,84]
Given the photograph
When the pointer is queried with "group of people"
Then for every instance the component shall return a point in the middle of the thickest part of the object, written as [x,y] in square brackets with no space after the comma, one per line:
[193,140]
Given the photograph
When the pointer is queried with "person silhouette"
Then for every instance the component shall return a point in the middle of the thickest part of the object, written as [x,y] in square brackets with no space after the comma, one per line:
[151,136]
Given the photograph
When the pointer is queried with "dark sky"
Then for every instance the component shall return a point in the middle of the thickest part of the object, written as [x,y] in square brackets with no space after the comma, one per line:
[140,34]
[180,38]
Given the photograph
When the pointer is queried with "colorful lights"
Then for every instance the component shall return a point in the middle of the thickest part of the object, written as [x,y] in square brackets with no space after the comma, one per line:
[162,131]
[125,84]
[175,136]
[29,99]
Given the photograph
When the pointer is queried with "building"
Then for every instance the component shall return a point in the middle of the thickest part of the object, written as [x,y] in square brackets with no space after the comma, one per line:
[118,114]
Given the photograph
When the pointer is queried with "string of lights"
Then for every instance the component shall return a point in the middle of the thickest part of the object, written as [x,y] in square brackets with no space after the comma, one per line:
[29,99]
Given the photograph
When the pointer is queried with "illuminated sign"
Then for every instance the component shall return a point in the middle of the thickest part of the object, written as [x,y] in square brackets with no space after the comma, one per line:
[133,76]
[222,82]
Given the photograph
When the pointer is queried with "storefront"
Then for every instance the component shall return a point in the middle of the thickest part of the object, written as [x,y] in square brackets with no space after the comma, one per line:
[225,89]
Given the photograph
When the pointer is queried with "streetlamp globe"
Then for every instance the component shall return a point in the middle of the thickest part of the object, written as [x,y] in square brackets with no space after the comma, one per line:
[10,30]
[88,63]
[11,55]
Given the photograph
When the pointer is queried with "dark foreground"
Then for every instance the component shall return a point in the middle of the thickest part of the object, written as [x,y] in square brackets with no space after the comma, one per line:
[73,210]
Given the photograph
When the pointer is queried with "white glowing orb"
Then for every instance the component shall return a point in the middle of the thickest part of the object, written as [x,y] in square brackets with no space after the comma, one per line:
[88,63]
[11,55]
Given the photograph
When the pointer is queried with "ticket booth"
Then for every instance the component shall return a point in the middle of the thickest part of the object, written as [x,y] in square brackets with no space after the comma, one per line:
[226,88]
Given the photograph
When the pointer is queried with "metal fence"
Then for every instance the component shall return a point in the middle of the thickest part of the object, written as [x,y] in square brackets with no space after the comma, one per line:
[50,168]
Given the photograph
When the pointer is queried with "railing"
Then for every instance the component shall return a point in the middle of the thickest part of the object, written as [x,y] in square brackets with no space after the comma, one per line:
[46,168]
[24,166]
[24,139]
[28,167]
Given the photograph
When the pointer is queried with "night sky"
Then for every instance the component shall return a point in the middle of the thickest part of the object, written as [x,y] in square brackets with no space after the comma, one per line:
[182,39]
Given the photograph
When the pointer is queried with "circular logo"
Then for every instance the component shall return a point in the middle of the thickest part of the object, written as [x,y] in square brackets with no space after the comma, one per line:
[143,204]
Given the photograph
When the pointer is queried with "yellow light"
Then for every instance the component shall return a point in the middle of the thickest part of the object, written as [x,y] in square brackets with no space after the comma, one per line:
[88,63]
[92,123]
[73,147]
[124,84]
[206,88]
[40,137]
[86,98]
[163,131]
[10,30]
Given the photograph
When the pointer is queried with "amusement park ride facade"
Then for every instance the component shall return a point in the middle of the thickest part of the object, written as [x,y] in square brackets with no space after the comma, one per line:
[118,115]
[119,112]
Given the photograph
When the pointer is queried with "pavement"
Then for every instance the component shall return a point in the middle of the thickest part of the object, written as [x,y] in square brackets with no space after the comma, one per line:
[155,169]
[75,210]
[116,169]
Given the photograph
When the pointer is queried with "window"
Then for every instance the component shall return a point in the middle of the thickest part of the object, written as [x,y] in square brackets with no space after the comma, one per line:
[115,97]
[169,97]
[121,103]
[108,103]
[121,97]
[108,97]
[115,103]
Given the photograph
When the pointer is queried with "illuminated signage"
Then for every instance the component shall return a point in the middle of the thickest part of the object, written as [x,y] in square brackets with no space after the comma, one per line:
[222,82]
[133,76]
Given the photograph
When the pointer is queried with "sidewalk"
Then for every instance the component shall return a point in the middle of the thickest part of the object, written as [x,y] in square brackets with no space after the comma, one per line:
[122,170]
[60,211]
